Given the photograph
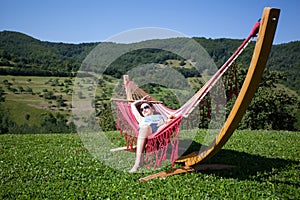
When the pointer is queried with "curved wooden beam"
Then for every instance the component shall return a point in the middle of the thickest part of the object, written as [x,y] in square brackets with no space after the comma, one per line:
[259,59]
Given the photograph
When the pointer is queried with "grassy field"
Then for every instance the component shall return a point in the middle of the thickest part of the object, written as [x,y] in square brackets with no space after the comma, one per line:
[25,96]
[53,166]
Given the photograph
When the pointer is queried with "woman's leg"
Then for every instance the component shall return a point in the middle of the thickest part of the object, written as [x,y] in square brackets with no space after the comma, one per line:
[144,132]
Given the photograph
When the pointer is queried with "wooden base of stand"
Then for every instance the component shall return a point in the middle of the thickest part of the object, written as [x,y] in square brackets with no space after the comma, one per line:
[185,169]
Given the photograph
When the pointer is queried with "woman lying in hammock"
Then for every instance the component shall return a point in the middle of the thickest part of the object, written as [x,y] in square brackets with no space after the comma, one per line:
[149,123]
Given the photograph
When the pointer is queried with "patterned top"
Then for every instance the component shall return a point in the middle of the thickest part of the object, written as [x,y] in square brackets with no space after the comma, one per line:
[154,121]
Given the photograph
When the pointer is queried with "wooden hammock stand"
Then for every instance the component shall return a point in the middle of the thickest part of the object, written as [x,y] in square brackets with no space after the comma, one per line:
[193,161]
[262,50]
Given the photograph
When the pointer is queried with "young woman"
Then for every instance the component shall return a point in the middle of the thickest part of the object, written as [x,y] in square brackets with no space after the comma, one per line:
[149,123]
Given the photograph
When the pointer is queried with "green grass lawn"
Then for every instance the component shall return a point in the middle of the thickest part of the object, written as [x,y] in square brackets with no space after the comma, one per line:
[58,166]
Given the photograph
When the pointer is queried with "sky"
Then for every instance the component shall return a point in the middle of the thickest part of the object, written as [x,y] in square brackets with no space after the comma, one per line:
[78,21]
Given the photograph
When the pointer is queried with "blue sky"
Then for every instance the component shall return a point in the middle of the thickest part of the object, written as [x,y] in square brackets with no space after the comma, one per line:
[77,21]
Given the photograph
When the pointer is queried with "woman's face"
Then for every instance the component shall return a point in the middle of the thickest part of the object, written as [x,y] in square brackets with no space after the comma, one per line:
[146,110]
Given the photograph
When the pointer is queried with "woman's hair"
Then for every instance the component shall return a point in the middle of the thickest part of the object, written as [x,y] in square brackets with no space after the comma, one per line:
[149,103]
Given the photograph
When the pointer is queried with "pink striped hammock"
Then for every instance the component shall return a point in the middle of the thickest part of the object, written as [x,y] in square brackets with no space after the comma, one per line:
[157,144]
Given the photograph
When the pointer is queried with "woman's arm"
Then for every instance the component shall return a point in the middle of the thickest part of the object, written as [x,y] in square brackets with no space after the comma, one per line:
[135,111]
[134,108]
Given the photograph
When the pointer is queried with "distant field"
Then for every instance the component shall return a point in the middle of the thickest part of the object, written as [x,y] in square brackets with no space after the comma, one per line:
[24,96]
[52,166]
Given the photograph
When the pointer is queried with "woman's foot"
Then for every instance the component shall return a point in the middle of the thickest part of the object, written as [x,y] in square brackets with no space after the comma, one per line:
[134,169]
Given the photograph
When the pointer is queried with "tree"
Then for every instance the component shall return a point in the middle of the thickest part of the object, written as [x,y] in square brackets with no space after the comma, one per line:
[54,124]
[106,120]
[2,98]
[271,107]
[27,117]
[5,120]
[6,123]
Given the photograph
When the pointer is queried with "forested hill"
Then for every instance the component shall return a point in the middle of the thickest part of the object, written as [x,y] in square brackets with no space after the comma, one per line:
[286,58]
[34,57]
[21,54]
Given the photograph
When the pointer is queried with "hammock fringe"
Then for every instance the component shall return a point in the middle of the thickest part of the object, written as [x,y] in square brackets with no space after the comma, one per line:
[157,144]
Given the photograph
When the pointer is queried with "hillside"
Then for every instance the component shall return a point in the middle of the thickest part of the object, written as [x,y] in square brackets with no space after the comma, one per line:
[21,54]
[37,78]
[35,57]
[286,58]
